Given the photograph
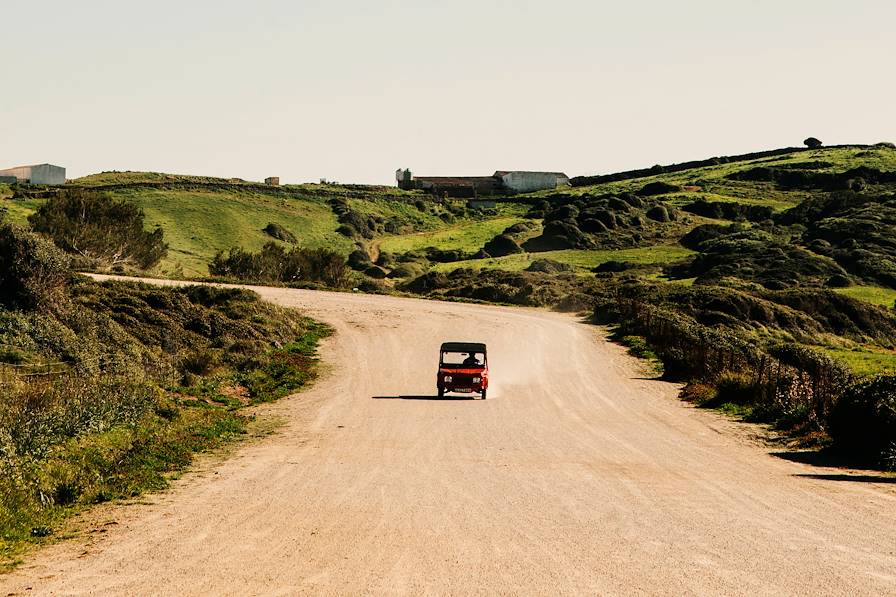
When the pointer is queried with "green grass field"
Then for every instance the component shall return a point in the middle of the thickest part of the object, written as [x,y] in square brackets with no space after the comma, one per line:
[581,259]
[197,224]
[466,236]
[871,294]
[18,211]
[716,187]
[199,221]
[866,361]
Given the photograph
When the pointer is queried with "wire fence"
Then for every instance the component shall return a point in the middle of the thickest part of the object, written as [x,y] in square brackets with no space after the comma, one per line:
[14,373]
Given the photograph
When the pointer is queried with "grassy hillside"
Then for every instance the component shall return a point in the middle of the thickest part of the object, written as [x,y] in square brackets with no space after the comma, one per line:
[712,178]
[203,215]
[198,223]
[464,236]
[768,285]
[578,259]
[723,268]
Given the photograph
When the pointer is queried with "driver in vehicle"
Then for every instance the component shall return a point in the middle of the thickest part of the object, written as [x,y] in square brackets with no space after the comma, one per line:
[471,360]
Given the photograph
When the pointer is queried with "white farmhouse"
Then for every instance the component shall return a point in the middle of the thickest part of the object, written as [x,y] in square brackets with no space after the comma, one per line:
[37,174]
[519,181]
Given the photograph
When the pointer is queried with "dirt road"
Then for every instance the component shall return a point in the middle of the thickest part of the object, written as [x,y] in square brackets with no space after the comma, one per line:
[577,476]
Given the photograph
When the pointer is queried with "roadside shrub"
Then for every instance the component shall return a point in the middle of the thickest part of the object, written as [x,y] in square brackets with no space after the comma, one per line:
[445,255]
[277,231]
[99,228]
[658,188]
[565,212]
[359,260]
[502,245]
[549,266]
[613,266]
[519,228]
[838,281]
[273,263]
[33,271]
[199,361]
[559,234]
[375,272]
[658,213]
[592,225]
[729,210]
[347,230]
[385,259]
[693,239]
[36,416]
[407,270]
[605,217]
[863,422]
[735,387]
[539,209]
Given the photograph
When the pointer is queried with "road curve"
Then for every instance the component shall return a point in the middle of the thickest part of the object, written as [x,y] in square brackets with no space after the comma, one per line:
[577,476]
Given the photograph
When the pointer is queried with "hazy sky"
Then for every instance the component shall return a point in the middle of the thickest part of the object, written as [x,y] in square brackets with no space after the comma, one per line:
[351,90]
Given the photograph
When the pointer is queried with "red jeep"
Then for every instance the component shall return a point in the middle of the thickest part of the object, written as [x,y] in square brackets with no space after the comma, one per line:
[463,367]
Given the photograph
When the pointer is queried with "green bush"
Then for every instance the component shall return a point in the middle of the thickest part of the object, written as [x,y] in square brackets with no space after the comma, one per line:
[736,388]
[863,422]
[277,231]
[33,272]
[274,264]
[101,229]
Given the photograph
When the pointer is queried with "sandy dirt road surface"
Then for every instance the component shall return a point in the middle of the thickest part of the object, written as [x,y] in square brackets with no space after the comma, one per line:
[579,475]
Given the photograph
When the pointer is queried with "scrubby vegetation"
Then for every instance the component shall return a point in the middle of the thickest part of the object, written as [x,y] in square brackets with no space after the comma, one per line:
[275,265]
[864,421]
[101,230]
[784,257]
[774,309]
[276,231]
[33,271]
[110,388]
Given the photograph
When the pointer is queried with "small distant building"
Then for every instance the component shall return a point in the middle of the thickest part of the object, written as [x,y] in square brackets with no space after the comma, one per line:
[502,181]
[37,174]
[520,181]
[457,186]
[405,179]
[272,181]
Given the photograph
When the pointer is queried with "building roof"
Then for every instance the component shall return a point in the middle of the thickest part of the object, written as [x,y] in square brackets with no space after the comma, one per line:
[503,173]
[456,180]
[32,166]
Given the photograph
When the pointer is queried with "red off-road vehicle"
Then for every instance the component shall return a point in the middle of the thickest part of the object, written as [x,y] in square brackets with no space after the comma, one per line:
[463,367]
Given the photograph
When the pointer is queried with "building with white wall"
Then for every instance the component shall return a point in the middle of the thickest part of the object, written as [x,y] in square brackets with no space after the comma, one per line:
[520,181]
[37,174]
[502,181]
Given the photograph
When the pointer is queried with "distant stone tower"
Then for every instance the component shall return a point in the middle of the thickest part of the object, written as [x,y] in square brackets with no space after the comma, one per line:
[405,179]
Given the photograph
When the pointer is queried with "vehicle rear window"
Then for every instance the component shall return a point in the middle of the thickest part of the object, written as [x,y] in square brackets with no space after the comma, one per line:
[458,358]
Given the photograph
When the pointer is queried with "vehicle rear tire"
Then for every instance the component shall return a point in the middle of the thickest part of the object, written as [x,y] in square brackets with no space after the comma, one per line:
[483,394]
